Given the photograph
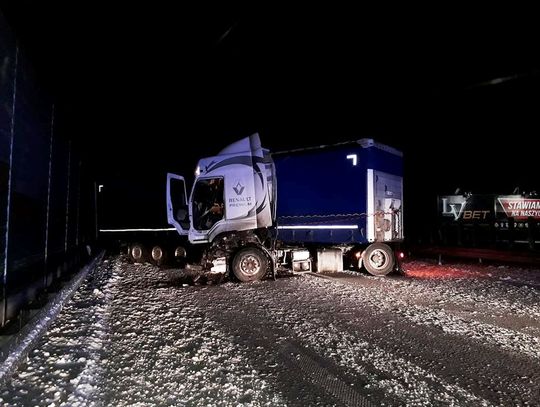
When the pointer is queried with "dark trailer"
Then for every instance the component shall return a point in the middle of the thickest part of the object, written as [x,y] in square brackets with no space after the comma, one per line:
[347,193]
[46,195]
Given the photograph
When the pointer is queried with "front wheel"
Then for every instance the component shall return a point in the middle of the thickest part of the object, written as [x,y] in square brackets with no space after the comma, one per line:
[250,264]
[378,259]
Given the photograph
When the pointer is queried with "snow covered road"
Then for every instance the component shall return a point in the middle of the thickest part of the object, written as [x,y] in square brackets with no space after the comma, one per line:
[134,335]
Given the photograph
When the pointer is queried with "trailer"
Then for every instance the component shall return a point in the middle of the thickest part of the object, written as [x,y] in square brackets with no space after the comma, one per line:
[132,220]
[46,194]
[305,209]
[346,196]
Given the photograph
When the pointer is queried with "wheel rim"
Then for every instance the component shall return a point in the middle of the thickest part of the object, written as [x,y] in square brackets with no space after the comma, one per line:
[180,252]
[378,259]
[250,265]
[157,253]
[136,252]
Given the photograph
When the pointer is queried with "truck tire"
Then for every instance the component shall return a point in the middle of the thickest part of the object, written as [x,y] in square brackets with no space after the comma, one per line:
[137,253]
[158,255]
[180,256]
[378,259]
[250,264]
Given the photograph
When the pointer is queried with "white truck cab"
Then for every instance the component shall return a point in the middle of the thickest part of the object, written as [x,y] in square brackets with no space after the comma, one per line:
[233,192]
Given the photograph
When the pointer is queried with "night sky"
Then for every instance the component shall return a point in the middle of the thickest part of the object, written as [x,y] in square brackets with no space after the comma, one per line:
[157,86]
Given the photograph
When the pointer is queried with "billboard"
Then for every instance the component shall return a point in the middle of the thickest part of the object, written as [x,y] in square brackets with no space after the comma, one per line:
[518,207]
[488,208]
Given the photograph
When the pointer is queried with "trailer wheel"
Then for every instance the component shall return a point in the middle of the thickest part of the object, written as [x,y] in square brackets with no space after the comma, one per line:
[378,259]
[137,253]
[250,264]
[180,256]
[158,254]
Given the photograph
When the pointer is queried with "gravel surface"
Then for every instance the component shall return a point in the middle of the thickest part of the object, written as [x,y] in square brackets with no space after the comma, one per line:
[134,335]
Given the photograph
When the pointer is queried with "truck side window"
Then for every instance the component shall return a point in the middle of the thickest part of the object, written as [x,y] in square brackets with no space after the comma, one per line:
[207,203]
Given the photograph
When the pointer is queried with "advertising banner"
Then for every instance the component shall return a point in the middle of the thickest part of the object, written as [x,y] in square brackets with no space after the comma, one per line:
[487,208]
[468,208]
[518,207]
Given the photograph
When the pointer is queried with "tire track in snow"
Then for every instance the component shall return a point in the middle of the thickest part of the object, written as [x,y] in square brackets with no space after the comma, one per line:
[474,362]
[379,375]
[386,300]
[304,377]
[164,350]
[479,291]
[88,385]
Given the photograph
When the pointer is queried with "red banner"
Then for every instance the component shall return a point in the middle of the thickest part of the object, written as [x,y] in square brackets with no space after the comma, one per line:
[521,208]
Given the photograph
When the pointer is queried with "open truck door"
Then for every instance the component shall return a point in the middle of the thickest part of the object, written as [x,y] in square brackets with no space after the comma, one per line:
[177,203]
[384,203]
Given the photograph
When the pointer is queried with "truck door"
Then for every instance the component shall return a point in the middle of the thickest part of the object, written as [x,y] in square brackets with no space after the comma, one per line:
[384,203]
[177,205]
[207,208]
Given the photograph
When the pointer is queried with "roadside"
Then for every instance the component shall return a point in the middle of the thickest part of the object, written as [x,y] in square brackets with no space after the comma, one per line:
[15,347]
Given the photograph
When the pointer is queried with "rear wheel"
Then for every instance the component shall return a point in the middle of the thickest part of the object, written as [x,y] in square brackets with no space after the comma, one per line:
[180,255]
[250,264]
[158,255]
[137,253]
[378,259]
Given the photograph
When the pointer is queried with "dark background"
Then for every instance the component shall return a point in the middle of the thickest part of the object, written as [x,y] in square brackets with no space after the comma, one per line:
[147,88]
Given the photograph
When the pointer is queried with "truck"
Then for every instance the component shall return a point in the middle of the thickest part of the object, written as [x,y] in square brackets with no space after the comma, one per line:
[314,209]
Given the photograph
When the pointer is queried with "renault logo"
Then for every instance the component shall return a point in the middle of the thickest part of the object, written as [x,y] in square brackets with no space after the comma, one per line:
[238,188]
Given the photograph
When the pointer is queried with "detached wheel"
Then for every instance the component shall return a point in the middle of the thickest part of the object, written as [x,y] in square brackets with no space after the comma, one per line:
[378,259]
[137,253]
[250,264]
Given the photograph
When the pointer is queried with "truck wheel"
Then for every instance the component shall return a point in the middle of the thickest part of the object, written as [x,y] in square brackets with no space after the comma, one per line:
[249,264]
[378,259]
[180,255]
[158,255]
[137,253]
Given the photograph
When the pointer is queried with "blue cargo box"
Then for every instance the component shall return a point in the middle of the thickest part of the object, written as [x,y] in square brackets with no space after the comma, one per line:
[347,193]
